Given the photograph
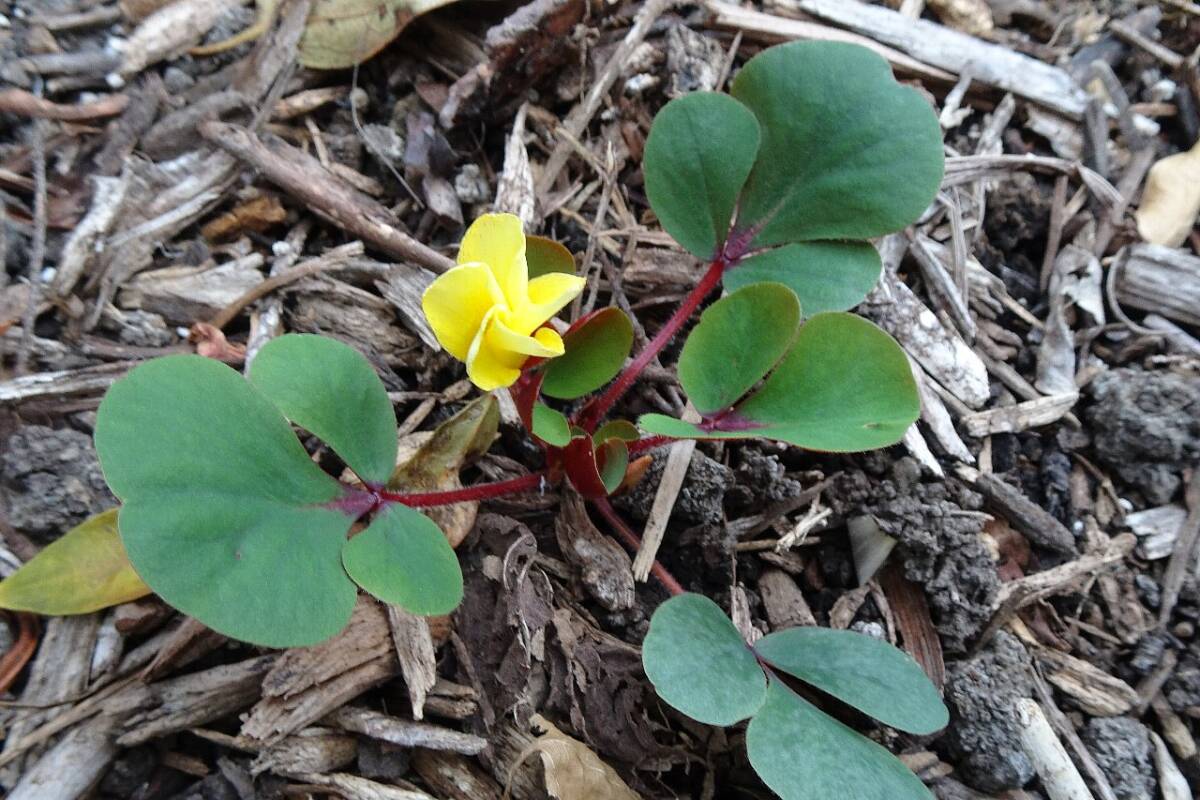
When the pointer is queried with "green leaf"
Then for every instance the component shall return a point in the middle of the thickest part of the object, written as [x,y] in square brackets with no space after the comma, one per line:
[546,255]
[616,429]
[225,516]
[699,663]
[804,754]
[596,348]
[847,152]
[826,276]
[846,386]
[84,570]
[612,457]
[404,558]
[738,339]
[700,149]
[550,426]
[871,675]
[331,390]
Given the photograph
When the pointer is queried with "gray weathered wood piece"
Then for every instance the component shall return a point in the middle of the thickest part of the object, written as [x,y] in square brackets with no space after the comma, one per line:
[1160,279]
[953,51]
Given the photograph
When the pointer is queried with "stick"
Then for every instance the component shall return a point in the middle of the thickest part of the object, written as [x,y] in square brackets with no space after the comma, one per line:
[301,175]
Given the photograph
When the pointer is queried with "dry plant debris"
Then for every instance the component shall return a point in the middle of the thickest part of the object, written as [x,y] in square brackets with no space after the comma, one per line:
[169,185]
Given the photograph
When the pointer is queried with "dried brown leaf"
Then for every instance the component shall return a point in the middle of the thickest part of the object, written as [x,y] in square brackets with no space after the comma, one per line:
[1171,200]
[573,771]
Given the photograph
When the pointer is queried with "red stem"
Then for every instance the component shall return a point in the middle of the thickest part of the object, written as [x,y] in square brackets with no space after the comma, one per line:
[480,491]
[634,543]
[599,407]
[649,443]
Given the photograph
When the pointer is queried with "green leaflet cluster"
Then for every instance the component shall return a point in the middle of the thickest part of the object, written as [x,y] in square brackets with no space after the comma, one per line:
[817,150]
[836,383]
[700,665]
[227,518]
[780,185]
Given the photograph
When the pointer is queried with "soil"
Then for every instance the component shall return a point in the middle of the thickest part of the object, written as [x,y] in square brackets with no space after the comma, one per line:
[552,619]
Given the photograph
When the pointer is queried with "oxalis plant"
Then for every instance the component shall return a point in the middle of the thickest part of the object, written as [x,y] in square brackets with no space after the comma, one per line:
[777,186]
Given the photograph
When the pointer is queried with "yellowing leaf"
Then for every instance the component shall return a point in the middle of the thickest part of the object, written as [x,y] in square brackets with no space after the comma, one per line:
[435,465]
[1171,200]
[342,33]
[573,771]
[83,571]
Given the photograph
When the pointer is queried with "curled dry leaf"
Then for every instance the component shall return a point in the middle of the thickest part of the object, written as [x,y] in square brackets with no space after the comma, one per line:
[342,33]
[1171,200]
[256,215]
[211,343]
[573,771]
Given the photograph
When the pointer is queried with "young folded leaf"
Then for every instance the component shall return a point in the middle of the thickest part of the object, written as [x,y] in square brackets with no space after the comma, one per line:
[826,276]
[403,558]
[737,341]
[866,673]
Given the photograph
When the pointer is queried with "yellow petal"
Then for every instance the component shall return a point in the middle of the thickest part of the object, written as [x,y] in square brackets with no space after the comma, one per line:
[548,294]
[498,241]
[488,366]
[457,302]
[549,339]
[502,337]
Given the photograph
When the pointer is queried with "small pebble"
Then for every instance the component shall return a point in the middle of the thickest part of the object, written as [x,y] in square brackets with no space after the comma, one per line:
[471,186]
[873,629]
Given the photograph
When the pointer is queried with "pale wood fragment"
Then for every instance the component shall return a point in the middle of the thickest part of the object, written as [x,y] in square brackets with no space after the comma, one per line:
[307,683]
[1020,416]
[1171,782]
[1091,688]
[59,674]
[774,28]
[308,750]
[404,732]
[1060,778]
[1157,529]
[1163,280]
[1015,595]
[195,699]
[414,650]
[454,777]
[679,457]
[344,784]
[73,765]
[940,351]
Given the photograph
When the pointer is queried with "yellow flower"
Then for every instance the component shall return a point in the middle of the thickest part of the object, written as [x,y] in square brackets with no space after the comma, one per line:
[488,313]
